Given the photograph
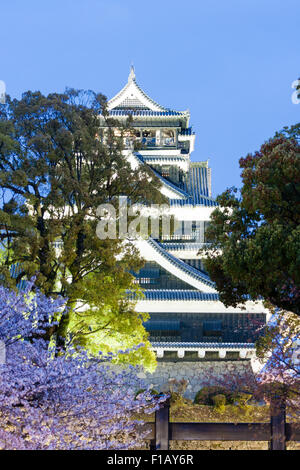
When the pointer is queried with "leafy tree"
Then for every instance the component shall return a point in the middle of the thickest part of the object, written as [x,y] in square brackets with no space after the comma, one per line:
[56,400]
[255,235]
[56,169]
[117,326]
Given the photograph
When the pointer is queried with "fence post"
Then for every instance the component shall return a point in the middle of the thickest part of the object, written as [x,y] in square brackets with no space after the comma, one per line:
[162,419]
[278,419]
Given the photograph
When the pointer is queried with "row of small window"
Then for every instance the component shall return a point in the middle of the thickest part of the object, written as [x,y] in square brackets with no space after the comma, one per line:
[144,280]
[172,328]
[164,133]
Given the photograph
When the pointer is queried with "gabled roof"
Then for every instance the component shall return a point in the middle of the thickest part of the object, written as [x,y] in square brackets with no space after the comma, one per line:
[133,98]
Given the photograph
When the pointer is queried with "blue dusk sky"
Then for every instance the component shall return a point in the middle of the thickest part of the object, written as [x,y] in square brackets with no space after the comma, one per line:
[232,63]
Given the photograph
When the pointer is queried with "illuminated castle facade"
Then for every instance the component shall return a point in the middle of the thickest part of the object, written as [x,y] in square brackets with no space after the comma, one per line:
[188,323]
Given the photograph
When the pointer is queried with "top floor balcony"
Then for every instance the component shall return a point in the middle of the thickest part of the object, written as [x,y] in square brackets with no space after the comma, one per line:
[152,139]
[151,142]
[155,138]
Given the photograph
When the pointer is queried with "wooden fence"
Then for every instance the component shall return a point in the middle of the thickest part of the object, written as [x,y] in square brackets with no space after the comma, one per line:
[277,431]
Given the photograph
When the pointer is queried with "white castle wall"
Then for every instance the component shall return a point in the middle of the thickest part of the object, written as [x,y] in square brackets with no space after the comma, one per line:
[196,373]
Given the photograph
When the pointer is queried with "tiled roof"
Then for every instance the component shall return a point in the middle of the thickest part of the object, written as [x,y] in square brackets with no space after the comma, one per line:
[197,183]
[179,264]
[214,346]
[202,201]
[168,183]
[155,158]
[145,112]
[14,272]
[197,186]
[183,246]
[173,186]
[133,100]
[178,294]
[195,191]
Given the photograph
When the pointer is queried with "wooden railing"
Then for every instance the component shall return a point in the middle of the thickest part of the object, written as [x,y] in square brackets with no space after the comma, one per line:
[277,431]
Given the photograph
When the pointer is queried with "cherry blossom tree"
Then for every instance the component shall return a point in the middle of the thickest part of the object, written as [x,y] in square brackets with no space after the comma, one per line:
[53,399]
[278,359]
[280,349]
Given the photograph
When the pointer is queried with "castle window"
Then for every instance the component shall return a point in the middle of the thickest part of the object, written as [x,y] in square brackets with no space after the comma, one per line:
[163,325]
[144,280]
[212,328]
[168,137]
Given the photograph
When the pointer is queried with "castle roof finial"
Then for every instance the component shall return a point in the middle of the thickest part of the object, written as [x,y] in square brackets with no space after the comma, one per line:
[131,74]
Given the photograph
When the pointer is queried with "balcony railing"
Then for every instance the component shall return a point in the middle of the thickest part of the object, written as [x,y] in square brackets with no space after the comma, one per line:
[150,142]
[168,142]
[180,237]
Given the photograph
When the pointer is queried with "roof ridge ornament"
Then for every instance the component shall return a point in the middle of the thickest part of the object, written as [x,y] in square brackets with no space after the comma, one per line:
[131,75]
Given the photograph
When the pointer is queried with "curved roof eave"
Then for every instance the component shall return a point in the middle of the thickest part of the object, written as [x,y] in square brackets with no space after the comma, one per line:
[133,89]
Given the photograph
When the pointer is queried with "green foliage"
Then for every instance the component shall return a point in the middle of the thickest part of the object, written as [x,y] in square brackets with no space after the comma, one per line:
[177,400]
[219,397]
[219,402]
[241,401]
[206,394]
[255,237]
[241,398]
[109,323]
[56,167]
[142,390]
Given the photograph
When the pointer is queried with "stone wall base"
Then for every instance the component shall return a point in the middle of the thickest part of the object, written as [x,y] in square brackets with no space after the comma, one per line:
[197,374]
